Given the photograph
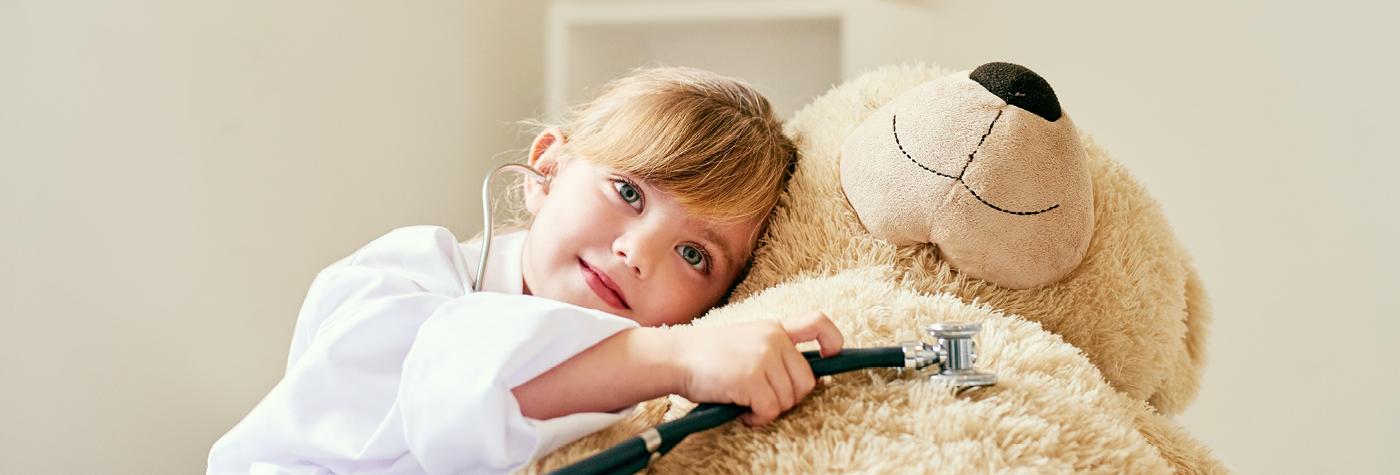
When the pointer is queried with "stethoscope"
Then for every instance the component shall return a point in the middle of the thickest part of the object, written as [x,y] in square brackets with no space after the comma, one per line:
[954,355]
[489,224]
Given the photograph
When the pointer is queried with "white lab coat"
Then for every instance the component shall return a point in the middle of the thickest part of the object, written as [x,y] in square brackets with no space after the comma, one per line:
[396,367]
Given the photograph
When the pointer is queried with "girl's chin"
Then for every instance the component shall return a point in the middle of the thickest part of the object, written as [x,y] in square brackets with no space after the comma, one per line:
[583,297]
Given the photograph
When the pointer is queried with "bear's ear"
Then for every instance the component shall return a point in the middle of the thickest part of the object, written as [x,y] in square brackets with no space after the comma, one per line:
[1001,187]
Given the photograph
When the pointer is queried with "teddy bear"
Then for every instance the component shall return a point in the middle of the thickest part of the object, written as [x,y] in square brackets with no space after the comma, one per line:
[922,196]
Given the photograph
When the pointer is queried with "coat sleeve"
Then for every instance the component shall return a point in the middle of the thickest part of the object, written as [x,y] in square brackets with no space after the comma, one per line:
[396,368]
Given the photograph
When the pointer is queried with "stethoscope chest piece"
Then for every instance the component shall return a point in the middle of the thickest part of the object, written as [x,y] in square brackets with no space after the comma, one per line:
[956,355]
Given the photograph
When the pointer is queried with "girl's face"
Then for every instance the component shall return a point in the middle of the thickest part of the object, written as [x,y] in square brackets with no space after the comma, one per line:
[606,241]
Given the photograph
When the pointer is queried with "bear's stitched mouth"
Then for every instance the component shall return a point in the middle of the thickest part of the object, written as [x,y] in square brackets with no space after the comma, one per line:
[894,127]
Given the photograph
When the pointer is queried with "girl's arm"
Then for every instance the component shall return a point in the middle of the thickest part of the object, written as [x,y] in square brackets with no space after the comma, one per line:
[753,364]
[629,367]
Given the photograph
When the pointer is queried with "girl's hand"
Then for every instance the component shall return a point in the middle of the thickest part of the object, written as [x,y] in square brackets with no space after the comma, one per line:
[753,364]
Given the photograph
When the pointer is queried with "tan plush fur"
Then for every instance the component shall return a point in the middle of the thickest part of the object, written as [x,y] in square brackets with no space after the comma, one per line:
[1087,366]
[1051,411]
[1128,305]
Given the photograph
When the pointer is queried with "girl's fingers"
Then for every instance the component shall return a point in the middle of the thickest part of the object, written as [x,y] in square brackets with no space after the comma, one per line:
[800,372]
[763,406]
[815,326]
[781,382]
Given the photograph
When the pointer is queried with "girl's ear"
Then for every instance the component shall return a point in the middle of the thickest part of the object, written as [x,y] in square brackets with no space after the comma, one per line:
[545,156]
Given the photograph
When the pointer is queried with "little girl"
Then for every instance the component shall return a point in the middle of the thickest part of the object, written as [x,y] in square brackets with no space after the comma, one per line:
[656,193]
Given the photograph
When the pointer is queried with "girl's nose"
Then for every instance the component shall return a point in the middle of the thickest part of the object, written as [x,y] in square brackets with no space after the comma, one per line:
[639,248]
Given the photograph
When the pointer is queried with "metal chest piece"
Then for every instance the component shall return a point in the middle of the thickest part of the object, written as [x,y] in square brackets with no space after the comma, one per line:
[954,352]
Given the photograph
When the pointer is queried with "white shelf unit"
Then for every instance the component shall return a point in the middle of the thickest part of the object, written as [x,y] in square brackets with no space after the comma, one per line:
[791,50]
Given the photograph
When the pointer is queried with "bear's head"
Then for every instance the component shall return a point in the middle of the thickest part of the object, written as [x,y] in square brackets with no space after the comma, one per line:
[986,168]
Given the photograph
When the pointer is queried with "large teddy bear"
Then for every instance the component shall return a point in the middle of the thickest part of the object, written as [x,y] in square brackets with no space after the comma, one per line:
[923,196]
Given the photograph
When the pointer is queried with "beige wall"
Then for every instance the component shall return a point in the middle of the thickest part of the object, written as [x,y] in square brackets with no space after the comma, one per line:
[175,173]
[172,175]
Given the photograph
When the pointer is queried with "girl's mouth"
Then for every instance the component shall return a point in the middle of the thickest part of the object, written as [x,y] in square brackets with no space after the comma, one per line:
[603,286]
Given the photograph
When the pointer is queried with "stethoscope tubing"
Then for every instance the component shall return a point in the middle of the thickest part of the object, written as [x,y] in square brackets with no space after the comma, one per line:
[631,455]
[488,229]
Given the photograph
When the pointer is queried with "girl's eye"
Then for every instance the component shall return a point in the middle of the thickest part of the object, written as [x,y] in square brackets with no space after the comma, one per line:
[694,256]
[629,193]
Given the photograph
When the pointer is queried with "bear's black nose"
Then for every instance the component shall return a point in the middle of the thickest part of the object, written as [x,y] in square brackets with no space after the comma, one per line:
[1020,87]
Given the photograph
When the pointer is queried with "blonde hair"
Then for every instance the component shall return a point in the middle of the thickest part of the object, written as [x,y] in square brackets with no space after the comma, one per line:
[711,141]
